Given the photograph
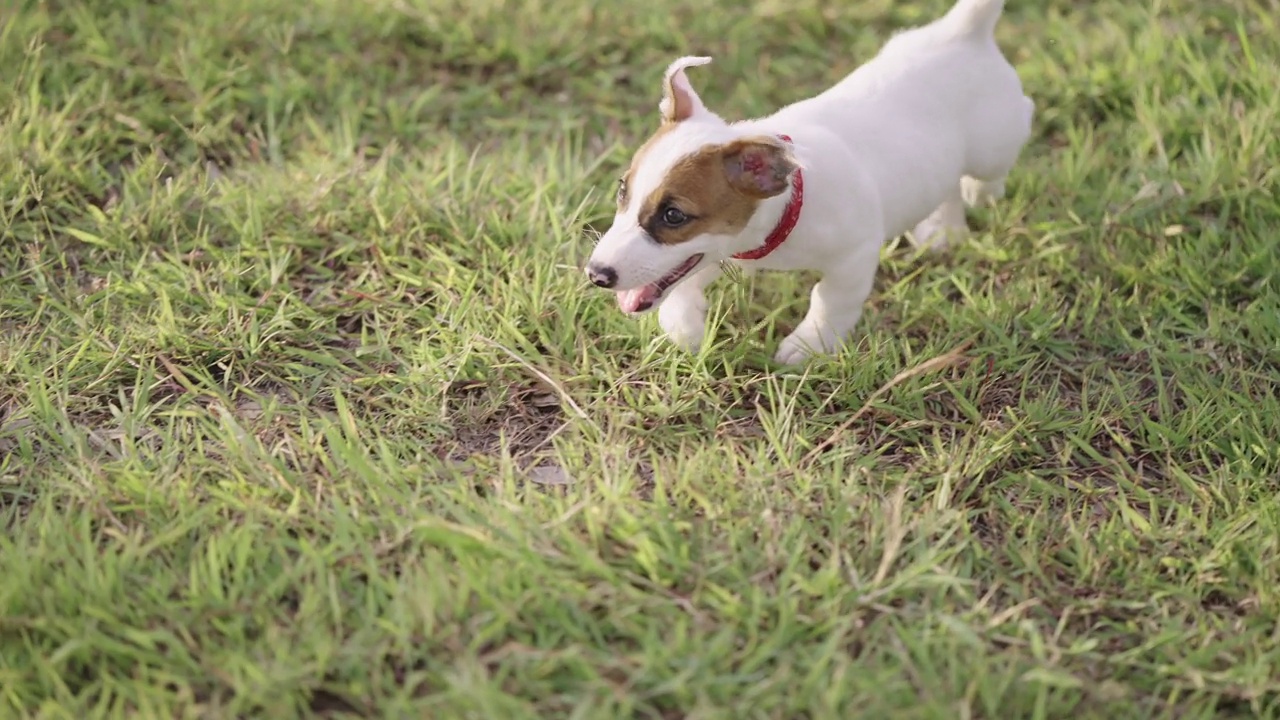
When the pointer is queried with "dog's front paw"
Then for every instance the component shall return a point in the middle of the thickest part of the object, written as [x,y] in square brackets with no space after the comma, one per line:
[791,352]
[803,344]
[685,323]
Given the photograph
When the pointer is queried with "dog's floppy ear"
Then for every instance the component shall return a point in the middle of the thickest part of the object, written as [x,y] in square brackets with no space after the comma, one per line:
[679,101]
[758,167]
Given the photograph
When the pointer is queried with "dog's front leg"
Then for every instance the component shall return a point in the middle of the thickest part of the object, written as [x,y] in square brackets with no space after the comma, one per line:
[683,315]
[835,305]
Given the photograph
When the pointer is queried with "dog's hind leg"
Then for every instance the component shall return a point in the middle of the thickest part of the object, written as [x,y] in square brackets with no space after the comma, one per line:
[1002,137]
[944,226]
[981,192]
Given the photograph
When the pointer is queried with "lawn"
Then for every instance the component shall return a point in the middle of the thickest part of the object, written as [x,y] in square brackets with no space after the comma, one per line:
[306,408]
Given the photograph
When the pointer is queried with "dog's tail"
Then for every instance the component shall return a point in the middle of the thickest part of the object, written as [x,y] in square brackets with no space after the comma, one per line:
[975,17]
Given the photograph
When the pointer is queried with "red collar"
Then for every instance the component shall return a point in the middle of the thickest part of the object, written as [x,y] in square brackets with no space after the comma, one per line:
[787,223]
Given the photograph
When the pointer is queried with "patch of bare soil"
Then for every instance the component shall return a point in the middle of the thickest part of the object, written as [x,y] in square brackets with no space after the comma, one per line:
[524,423]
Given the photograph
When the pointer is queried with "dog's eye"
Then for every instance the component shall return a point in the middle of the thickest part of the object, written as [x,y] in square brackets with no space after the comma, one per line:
[622,189]
[673,216]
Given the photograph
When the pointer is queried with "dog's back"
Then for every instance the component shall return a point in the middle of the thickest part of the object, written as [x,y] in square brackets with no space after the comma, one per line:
[963,37]
[937,103]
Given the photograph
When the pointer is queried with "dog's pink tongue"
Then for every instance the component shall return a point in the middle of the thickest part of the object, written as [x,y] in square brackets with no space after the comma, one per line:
[635,300]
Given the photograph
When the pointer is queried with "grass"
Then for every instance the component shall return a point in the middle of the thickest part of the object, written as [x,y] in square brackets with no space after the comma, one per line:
[305,409]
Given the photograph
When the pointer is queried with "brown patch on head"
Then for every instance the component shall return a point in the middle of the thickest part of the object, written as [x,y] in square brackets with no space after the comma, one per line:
[715,190]
[624,185]
[679,103]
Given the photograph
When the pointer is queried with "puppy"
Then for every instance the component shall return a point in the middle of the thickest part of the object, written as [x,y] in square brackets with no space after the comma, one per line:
[931,124]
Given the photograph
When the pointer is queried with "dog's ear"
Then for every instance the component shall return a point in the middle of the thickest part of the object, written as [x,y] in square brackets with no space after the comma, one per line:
[758,167]
[679,101]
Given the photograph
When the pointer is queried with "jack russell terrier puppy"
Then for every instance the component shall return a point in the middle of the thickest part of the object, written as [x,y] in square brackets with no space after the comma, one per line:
[931,124]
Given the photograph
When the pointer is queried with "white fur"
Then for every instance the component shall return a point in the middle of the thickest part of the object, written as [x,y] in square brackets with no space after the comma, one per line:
[934,122]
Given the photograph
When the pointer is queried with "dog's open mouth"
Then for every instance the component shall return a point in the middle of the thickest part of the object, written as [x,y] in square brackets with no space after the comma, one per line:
[645,297]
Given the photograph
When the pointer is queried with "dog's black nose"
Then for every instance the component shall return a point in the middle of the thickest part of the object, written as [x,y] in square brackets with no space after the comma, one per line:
[601,276]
